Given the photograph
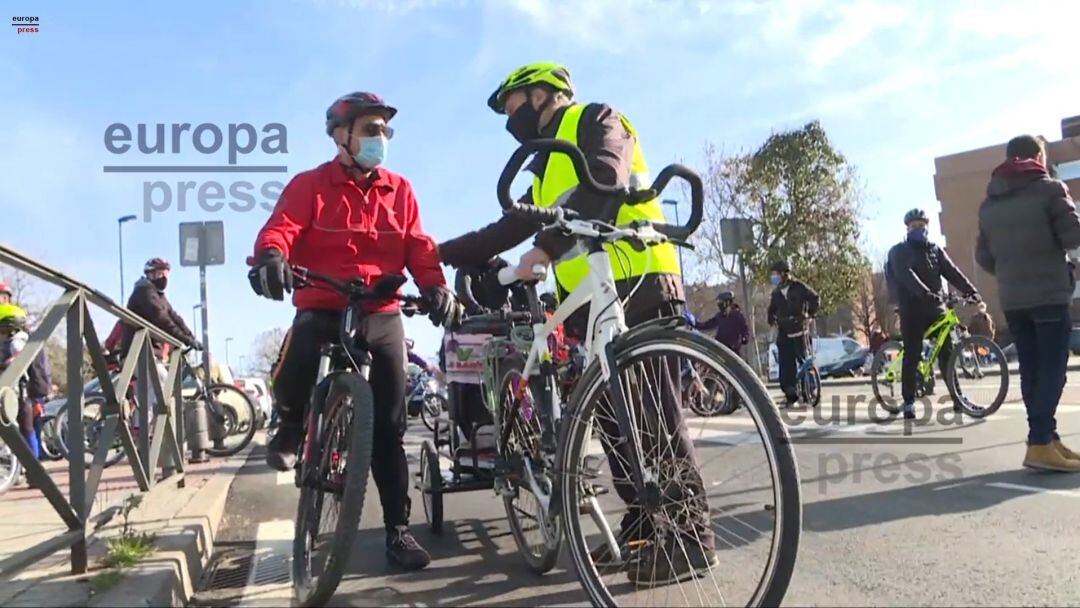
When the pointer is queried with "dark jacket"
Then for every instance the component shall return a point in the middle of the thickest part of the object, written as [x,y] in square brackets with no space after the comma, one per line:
[151,304]
[918,269]
[730,326]
[609,150]
[1026,224]
[790,312]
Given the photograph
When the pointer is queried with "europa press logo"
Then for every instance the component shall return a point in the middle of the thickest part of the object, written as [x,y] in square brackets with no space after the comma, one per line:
[26,25]
[222,150]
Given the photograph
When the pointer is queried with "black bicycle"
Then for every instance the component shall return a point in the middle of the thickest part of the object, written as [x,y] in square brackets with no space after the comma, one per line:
[335,456]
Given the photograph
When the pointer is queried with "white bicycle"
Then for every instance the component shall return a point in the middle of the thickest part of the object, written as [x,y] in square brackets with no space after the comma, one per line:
[695,519]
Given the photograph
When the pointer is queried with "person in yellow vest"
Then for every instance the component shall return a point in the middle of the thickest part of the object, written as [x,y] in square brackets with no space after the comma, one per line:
[538,102]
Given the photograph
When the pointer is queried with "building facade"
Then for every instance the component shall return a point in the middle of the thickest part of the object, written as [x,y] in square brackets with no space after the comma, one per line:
[960,184]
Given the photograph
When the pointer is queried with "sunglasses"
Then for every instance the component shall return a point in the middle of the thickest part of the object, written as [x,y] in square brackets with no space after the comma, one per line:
[375,129]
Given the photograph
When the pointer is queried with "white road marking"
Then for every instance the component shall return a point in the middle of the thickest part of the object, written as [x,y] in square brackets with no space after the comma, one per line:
[268,581]
[951,485]
[1033,489]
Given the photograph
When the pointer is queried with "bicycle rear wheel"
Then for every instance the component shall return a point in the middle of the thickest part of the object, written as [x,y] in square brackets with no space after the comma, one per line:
[10,467]
[230,414]
[334,473]
[93,421]
[732,540]
[979,376]
[885,378]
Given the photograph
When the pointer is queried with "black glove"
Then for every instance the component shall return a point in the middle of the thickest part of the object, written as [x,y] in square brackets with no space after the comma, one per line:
[975,297]
[443,308]
[271,276]
[934,299]
[196,345]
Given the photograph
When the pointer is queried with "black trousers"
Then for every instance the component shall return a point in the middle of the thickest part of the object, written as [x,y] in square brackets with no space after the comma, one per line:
[655,396]
[294,376]
[789,351]
[913,326]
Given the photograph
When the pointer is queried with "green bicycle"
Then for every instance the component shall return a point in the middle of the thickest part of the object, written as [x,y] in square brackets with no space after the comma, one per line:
[976,374]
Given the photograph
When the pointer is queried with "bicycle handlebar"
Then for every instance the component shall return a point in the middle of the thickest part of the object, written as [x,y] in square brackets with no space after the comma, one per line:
[622,195]
[357,290]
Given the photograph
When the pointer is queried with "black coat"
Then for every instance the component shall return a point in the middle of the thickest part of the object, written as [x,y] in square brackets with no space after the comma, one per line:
[789,313]
[918,269]
[151,304]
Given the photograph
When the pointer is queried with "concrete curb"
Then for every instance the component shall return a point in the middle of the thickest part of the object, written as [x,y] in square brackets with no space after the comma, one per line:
[184,542]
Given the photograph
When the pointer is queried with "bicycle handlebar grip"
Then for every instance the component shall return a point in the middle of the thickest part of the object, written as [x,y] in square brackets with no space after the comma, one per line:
[508,274]
[697,200]
[527,149]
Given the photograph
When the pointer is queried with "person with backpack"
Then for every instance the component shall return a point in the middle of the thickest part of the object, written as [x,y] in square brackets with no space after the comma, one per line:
[792,304]
[914,272]
[1026,225]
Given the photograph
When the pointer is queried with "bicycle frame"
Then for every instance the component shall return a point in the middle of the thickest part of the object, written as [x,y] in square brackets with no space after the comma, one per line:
[939,331]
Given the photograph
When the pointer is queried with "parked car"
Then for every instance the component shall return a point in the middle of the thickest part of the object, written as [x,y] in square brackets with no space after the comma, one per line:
[834,356]
[256,389]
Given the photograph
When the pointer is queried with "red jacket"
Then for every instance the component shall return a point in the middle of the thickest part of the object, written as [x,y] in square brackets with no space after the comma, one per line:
[327,221]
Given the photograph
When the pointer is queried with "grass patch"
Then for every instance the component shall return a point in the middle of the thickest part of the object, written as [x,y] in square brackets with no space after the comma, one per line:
[127,550]
[105,581]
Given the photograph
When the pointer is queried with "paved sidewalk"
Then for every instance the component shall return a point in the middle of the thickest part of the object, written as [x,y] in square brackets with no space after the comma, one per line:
[184,521]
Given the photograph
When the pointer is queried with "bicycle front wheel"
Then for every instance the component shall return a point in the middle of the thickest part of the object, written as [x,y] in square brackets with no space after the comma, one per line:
[334,474]
[979,376]
[682,541]
[537,531]
[10,467]
[230,414]
[885,376]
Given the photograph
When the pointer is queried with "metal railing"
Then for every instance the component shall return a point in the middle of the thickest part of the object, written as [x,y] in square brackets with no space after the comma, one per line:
[157,446]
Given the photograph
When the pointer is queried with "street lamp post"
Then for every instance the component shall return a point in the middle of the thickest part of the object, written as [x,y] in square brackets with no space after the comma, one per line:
[120,221]
[195,318]
[227,362]
[675,204]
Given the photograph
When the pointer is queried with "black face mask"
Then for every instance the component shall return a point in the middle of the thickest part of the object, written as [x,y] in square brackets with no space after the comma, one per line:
[160,283]
[524,124]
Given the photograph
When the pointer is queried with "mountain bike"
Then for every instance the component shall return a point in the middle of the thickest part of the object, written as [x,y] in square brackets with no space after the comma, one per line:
[974,358]
[230,413]
[624,413]
[807,376]
[335,455]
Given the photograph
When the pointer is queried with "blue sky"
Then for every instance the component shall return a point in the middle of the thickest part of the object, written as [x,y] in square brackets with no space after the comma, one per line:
[895,84]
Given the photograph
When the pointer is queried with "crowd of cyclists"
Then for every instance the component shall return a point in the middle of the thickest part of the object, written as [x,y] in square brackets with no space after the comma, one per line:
[352,217]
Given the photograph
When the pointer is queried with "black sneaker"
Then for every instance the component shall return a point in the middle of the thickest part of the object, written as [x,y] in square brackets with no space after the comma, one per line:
[403,550]
[281,451]
[676,560]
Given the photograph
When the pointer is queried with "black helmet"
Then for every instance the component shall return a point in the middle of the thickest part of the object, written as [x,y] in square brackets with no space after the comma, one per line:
[347,107]
[780,266]
[916,215]
[155,264]
[725,296]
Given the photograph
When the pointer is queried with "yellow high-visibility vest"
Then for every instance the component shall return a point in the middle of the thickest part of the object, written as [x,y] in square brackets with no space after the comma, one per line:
[560,181]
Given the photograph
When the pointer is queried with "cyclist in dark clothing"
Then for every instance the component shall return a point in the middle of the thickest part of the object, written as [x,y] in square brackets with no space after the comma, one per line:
[149,302]
[729,323]
[918,266]
[791,305]
[350,218]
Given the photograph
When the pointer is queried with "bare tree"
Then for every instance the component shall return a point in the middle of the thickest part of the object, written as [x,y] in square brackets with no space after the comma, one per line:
[264,351]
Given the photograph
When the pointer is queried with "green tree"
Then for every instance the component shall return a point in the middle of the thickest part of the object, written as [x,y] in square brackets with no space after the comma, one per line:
[804,201]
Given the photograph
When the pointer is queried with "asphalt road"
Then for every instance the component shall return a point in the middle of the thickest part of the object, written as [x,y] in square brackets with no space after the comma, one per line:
[936,512]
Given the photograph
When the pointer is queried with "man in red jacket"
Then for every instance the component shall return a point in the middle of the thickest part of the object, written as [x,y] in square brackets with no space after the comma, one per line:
[351,218]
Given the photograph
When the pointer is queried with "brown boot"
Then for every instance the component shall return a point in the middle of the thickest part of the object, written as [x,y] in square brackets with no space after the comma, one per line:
[1064,451]
[1046,458]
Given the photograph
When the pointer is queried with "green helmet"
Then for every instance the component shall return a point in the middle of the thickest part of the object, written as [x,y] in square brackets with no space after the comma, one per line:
[12,317]
[542,72]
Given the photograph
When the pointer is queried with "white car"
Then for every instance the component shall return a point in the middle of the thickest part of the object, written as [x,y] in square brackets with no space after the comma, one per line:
[259,393]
